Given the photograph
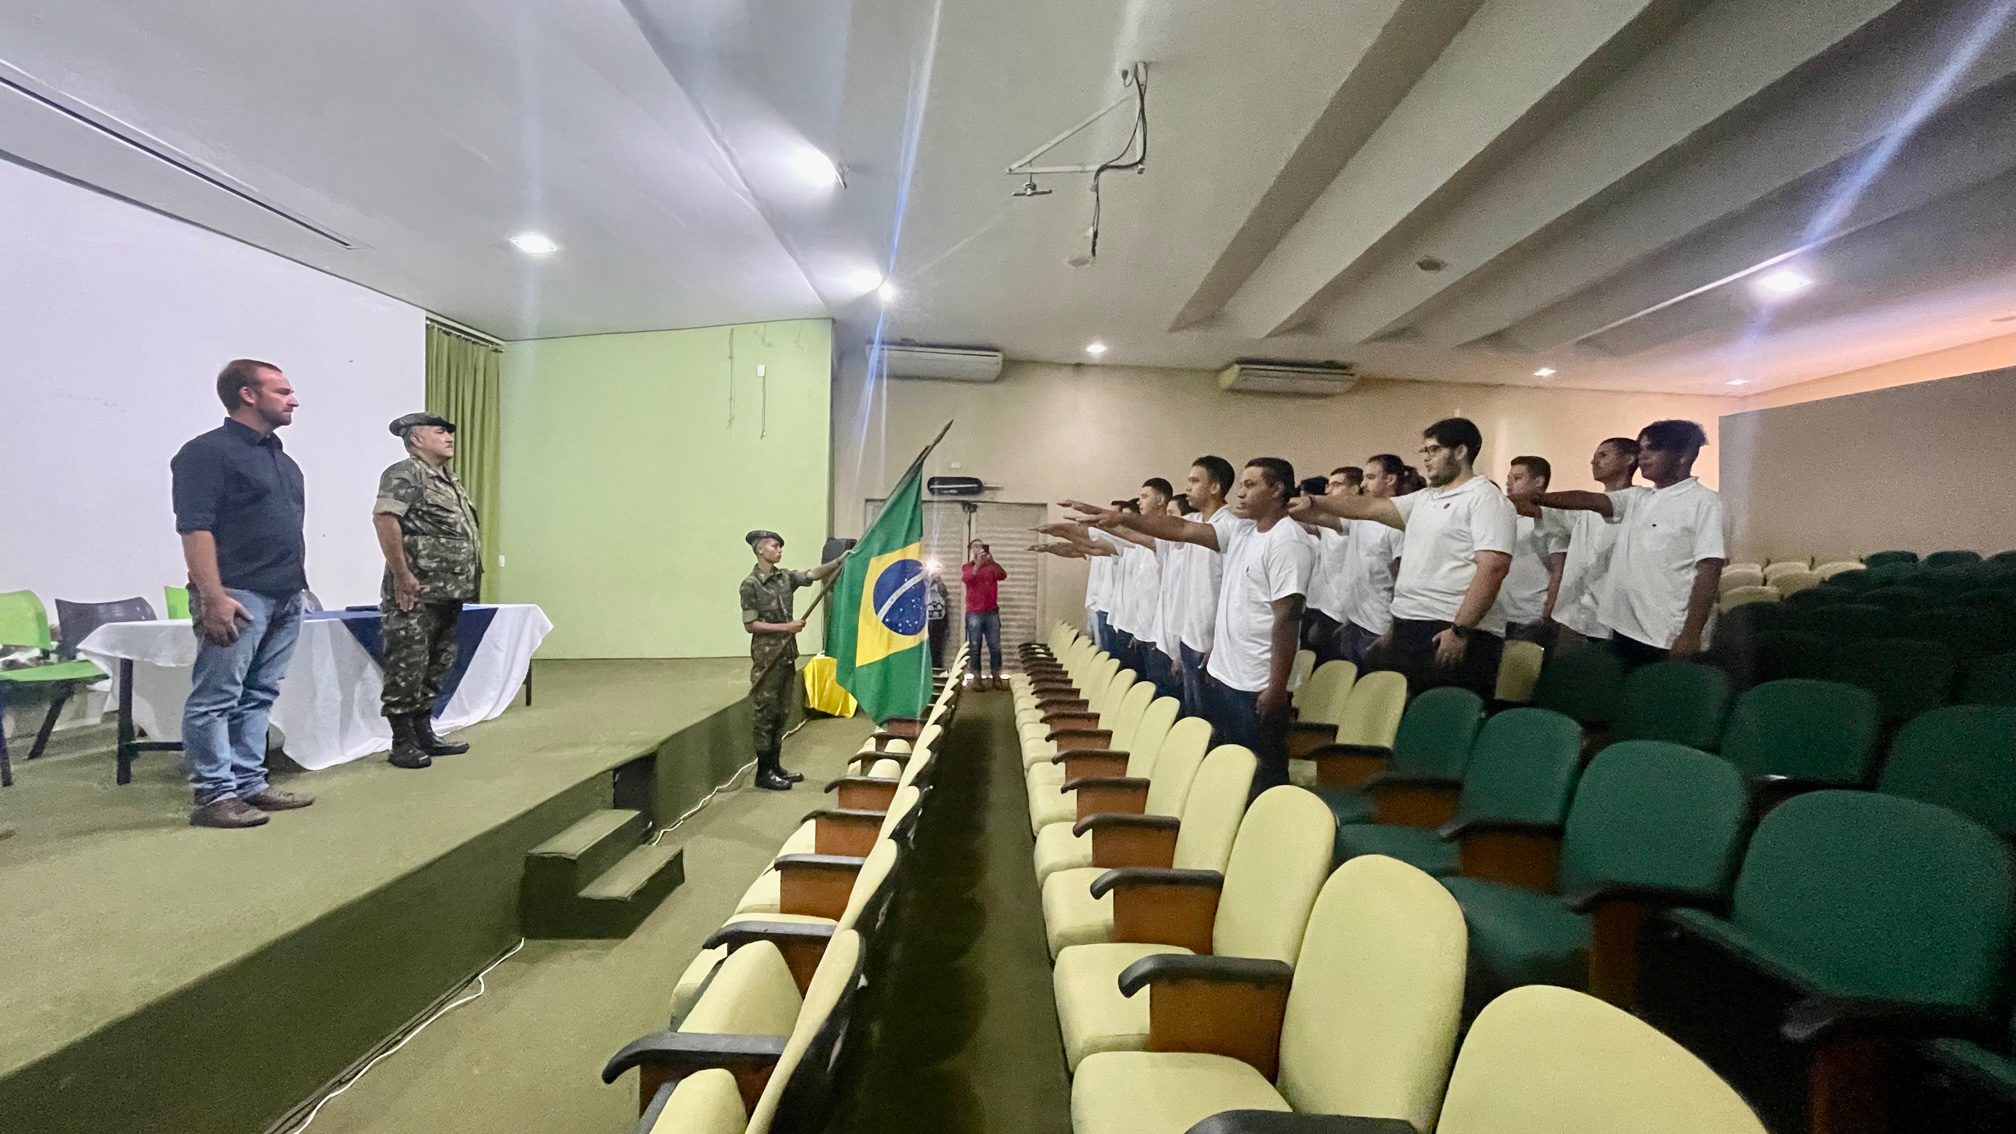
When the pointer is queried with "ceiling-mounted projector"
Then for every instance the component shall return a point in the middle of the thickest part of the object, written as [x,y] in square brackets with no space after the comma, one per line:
[954,486]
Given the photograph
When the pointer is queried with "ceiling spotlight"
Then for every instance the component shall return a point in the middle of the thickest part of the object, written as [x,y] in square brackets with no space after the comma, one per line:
[1031,189]
[818,170]
[1095,348]
[535,244]
[1545,372]
[1781,283]
[1738,382]
[886,293]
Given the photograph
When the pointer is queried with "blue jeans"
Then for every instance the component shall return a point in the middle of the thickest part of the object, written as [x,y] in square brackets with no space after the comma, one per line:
[1193,683]
[231,694]
[1102,634]
[1353,641]
[1235,718]
[1166,672]
[983,627]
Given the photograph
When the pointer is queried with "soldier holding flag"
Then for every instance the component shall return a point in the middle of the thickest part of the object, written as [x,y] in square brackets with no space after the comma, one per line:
[773,645]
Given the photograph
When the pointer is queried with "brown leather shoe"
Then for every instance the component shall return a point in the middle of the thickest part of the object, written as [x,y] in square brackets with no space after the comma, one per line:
[270,800]
[227,813]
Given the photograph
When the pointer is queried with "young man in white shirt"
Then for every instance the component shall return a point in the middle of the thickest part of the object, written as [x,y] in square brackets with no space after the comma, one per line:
[1323,621]
[1666,567]
[1459,535]
[1362,587]
[1267,562]
[1210,482]
[1522,601]
[1581,570]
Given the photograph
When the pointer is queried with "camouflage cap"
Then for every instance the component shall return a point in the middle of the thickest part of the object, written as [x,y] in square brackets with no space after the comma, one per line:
[759,535]
[400,425]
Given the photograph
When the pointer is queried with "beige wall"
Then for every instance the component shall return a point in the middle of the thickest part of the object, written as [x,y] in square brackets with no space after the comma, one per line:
[1921,467]
[1972,358]
[1045,431]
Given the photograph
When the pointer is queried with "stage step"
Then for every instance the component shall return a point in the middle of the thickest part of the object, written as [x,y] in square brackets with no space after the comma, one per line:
[596,879]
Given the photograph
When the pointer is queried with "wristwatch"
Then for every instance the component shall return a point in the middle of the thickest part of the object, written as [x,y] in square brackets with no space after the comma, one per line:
[1460,630]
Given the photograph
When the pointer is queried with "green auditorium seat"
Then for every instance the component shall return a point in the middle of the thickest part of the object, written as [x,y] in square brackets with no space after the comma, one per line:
[1962,757]
[1845,621]
[1798,734]
[1425,769]
[1364,1024]
[1683,702]
[1653,825]
[1258,908]
[1889,558]
[1521,774]
[1939,559]
[1958,1085]
[1542,1060]
[1901,597]
[1991,681]
[1907,676]
[1859,920]
[1734,646]
[1587,685]
[1783,653]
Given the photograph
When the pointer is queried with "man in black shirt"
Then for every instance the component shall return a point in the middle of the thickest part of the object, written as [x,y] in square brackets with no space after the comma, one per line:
[238,505]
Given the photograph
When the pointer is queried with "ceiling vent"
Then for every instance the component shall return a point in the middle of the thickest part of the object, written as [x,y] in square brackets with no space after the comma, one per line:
[943,364]
[1259,376]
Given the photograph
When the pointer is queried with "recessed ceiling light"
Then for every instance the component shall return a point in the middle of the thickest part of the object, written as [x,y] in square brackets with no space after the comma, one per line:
[535,244]
[1738,382]
[1545,372]
[887,292]
[1095,348]
[816,168]
[1779,283]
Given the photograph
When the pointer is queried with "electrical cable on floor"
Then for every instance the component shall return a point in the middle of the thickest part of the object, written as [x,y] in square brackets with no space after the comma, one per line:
[724,786]
[458,1002]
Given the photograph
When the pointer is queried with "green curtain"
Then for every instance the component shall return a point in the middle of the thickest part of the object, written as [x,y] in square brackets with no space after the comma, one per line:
[465,385]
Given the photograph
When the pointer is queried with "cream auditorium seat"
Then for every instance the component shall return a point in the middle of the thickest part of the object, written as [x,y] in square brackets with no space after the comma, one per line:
[1792,582]
[1743,596]
[1132,754]
[1319,704]
[819,871]
[1827,571]
[1109,723]
[1363,741]
[1363,1024]
[1073,914]
[1108,686]
[1259,907]
[1170,769]
[1733,578]
[1778,567]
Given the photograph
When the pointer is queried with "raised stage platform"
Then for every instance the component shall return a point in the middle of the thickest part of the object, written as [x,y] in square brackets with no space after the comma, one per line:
[160,977]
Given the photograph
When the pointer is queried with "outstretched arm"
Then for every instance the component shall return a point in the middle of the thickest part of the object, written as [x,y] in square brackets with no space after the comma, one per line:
[827,568]
[1376,508]
[1597,502]
[1159,527]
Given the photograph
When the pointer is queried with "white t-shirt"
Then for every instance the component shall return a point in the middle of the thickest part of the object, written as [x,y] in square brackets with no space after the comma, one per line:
[1445,529]
[1326,582]
[1524,593]
[1141,591]
[1169,564]
[1585,573]
[1203,575]
[1113,594]
[1662,534]
[1260,567]
[1366,587]
[1098,580]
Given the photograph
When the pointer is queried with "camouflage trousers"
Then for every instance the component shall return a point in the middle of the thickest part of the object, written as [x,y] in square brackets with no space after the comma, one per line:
[419,652]
[770,697]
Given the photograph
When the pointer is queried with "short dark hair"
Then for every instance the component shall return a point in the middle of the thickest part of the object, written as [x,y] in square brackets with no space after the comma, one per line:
[1128,505]
[1279,473]
[1158,484]
[1626,445]
[1314,485]
[1352,474]
[1411,480]
[1538,466]
[1389,464]
[1453,431]
[1218,469]
[1675,433]
[238,374]
[1182,502]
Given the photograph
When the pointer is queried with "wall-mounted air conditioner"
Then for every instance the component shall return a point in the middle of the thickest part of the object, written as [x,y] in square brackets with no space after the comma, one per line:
[945,364]
[1257,376]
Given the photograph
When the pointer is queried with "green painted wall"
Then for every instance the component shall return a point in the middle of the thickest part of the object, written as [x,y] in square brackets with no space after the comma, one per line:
[634,463]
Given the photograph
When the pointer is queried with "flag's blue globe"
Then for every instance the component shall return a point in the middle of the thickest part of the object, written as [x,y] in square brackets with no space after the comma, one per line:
[898,597]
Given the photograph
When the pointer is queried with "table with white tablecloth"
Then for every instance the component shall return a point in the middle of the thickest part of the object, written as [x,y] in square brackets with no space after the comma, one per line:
[328,712]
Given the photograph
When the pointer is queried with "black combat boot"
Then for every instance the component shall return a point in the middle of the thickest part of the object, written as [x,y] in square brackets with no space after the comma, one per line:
[406,750]
[769,776]
[777,762]
[423,731]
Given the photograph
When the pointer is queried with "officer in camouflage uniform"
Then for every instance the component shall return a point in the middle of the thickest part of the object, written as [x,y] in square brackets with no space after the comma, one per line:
[773,647]
[433,564]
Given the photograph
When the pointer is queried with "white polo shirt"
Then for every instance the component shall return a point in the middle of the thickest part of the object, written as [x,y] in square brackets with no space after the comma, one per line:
[1114,594]
[1141,591]
[1203,575]
[1445,529]
[1366,587]
[1169,565]
[1584,574]
[1326,583]
[1662,533]
[1098,579]
[1260,567]
[1523,595]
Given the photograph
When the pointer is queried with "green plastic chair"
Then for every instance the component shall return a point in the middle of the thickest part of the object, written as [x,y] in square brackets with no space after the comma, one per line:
[1845,898]
[1991,681]
[1799,734]
[176,602]
[1683,702]
[1907,676]
[1890,559]
[1962,757]
[1430,750]
[1521,774]
[1793,653]
[1842,621]
[1902,598]
[24,623]
[1654,825]
[1942,559]
[1587,685]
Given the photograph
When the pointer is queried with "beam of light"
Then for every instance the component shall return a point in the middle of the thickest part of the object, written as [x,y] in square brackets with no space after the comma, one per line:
[874,393]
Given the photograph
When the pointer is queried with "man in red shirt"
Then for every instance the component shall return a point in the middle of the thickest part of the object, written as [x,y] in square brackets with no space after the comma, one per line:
[982,577]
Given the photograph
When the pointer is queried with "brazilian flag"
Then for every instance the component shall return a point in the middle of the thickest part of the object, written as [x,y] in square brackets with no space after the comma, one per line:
[876,633]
